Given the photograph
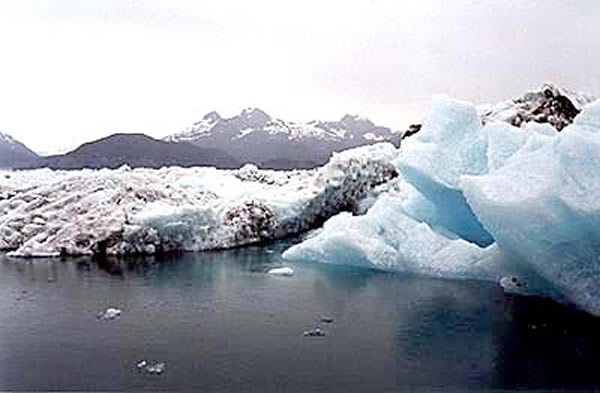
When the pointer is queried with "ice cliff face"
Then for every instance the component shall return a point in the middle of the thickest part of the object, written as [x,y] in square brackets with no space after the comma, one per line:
[493,202]
[50,213]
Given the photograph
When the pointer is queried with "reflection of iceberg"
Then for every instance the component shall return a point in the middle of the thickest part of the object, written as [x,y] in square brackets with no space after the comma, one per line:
[484,202]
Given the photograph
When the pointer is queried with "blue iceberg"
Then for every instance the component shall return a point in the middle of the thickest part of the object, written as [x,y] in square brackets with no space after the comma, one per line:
[519,206]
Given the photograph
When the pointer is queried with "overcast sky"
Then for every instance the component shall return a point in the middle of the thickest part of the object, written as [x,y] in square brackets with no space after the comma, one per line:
[73,71]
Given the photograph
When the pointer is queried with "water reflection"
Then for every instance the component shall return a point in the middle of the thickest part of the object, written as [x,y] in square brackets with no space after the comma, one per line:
[221,323]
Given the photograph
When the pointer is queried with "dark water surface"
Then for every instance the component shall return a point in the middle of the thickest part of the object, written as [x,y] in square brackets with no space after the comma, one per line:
[221,324]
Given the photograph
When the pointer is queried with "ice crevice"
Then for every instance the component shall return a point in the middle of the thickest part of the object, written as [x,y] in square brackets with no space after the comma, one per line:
[519,206]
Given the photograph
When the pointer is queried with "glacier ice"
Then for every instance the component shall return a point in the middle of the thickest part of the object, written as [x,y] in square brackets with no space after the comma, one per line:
[493,202]
[125,211]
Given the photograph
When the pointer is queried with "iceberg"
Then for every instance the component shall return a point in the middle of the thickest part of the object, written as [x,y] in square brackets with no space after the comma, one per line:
[518,206]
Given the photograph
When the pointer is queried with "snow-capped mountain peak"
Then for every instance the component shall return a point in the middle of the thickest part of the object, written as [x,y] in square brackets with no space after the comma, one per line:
[254,117]
[254,136]
[5,138]
[196,130]
[356,120]
[212,117]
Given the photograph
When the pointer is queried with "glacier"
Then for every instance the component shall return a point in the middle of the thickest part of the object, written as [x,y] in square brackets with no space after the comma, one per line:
[146,211]
[518,206]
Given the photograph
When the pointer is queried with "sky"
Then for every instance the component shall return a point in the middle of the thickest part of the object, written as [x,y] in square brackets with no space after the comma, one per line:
[74,71]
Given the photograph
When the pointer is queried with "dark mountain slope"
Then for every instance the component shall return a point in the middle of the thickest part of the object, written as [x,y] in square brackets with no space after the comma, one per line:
[136,150]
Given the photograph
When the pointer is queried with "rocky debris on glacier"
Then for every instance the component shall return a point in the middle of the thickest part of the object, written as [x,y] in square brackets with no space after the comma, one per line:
[494,202]
[144,211]
[549,104]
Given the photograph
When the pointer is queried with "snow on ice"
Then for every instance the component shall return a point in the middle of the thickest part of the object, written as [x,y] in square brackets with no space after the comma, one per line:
[125,211]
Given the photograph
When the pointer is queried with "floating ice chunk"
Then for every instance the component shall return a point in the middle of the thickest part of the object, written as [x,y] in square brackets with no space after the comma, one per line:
[151,368]
[460,188]
[316,332]
[110,313]
[281,271]
[156,368]
[513,284]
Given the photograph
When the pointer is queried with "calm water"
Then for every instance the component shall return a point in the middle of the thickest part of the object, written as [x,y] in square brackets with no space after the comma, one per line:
[221,324]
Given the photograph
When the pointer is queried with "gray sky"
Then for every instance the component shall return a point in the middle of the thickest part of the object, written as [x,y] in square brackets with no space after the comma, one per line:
[73,71]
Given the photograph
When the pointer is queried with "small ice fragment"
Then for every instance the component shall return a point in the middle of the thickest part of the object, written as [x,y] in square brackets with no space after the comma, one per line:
[317,332]
[110,313]
[156,368]
[281,271]
[327,319]
[141,364]
[512,284]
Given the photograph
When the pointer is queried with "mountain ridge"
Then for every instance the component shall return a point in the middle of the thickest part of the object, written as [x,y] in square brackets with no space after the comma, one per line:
[135,150]
[13,152]
[255,137]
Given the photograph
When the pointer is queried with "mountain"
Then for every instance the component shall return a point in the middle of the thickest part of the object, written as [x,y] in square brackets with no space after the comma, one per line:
[254,136]
[136,150]
[13,153]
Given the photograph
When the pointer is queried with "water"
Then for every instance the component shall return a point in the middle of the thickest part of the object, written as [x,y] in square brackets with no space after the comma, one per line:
[219,323]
